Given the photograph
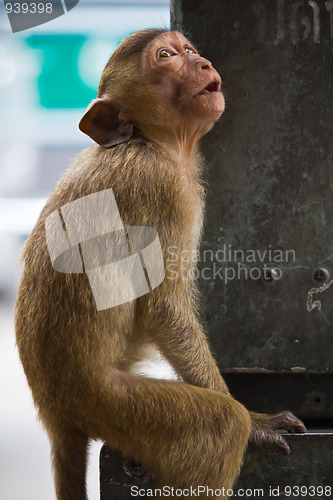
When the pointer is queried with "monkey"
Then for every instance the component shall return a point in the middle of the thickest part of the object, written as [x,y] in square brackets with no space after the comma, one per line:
[157,97]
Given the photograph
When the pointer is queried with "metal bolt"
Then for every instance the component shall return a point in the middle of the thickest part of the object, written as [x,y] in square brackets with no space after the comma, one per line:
[134,470]
[321,275]
[271,274]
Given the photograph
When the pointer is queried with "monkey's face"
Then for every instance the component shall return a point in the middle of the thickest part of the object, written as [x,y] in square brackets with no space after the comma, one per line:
[186,82]
[166,90]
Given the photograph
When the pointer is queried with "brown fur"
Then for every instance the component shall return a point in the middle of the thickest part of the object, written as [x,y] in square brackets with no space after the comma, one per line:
[77,359]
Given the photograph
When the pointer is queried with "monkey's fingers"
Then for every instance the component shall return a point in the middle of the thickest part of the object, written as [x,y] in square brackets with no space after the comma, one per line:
[286,420]
[263,436]
[281,443]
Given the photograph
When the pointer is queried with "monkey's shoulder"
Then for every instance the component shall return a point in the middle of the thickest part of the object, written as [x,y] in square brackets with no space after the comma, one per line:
[148,187]
[138,170]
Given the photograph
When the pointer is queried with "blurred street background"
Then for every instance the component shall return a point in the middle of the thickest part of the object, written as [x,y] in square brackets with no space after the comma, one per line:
[48,75]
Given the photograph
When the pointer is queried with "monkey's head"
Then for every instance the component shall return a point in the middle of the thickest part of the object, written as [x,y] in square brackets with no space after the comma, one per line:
[156,83]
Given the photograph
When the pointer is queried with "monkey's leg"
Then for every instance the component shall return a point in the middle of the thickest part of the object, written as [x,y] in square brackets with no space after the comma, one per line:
[69,454]
[185,435]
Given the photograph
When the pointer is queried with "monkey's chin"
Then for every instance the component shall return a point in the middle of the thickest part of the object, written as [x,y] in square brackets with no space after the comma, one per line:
[211,105]
[212,99]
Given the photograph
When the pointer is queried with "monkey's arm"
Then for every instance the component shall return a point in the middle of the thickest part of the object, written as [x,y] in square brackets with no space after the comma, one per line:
[182,341]
[180,338]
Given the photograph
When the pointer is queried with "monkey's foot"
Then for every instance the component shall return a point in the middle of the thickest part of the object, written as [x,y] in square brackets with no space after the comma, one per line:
[264,428]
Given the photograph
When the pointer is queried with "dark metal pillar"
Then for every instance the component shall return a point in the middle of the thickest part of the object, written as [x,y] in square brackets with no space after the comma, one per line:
[267,255]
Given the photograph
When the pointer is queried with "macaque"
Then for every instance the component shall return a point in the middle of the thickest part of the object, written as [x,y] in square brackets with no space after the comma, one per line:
[157,97]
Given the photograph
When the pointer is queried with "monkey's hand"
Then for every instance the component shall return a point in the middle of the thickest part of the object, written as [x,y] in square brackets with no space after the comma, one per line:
[264,428]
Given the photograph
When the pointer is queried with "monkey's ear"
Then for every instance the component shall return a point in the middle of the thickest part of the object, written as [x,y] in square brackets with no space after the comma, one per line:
[105,123]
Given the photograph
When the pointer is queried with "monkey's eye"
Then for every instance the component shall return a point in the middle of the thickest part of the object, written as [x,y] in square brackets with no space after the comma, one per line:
[164,53]
[190,50]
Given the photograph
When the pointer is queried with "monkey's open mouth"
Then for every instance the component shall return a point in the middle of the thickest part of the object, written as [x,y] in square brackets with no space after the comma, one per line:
[212,87]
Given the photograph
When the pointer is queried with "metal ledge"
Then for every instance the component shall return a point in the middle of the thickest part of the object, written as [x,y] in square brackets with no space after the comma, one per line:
[266,473]
[309,464]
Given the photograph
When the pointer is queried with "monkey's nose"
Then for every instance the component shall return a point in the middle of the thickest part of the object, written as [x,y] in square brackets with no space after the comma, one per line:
[205,64]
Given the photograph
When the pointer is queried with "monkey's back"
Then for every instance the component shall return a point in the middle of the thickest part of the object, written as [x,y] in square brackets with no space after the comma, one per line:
[63,340]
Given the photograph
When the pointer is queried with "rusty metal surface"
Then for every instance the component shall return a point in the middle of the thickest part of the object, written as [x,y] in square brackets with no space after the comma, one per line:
[270,177]
[266,470]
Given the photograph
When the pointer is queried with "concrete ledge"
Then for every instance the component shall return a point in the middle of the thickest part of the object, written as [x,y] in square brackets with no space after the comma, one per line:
[266,473]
